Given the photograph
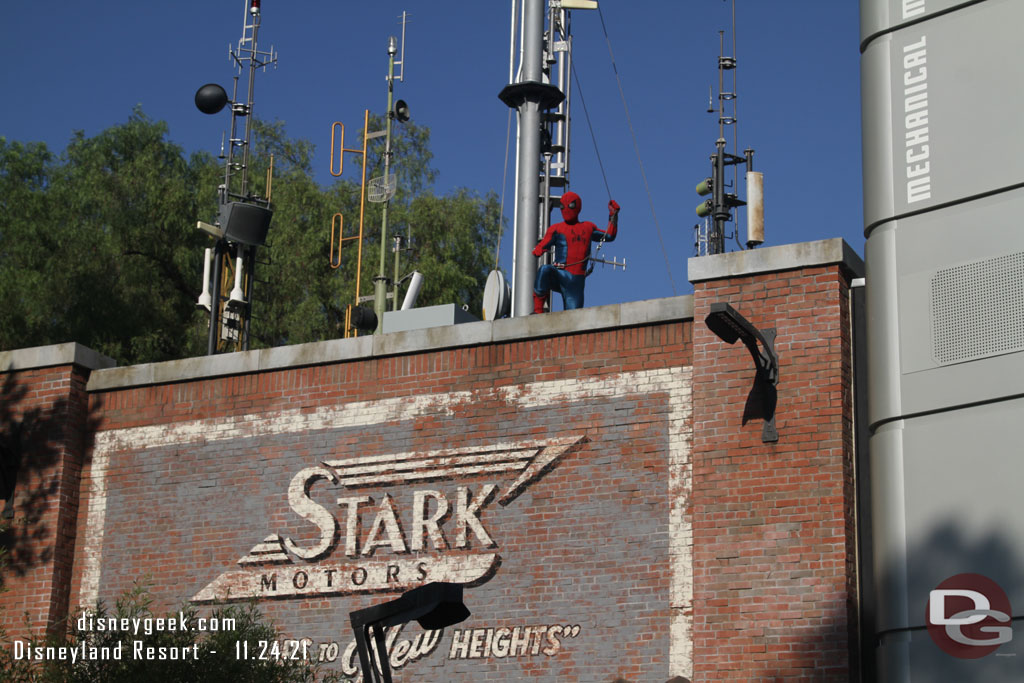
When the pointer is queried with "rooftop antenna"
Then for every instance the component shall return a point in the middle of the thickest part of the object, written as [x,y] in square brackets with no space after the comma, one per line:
[401,112]
[718,208]
[537,86]
[383,189]
[378,190]
[400,62]
[243,217]
[356,317]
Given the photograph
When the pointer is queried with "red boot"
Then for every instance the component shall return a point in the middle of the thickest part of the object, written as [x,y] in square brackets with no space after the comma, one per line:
[538,303]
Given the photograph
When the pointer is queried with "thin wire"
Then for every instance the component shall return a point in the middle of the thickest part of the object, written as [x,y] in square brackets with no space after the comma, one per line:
[735,128]
[579,89]
[636,148]
[597,152]
[504,178]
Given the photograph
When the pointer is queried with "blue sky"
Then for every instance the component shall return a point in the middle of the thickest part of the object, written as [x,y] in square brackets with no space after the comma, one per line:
[69,66]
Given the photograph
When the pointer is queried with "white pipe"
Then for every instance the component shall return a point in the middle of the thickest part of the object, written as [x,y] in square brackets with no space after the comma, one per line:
[236,293]
[755,208]
[414,290]
[512,45]
[205,300]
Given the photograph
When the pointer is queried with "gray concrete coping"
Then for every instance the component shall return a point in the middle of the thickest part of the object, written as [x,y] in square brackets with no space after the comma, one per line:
[770,259]
[68,353]
[631,314]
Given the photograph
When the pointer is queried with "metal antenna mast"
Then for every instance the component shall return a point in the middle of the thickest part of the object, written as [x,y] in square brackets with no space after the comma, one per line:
[719,207]
[401,115]
[379,190]
[543,139]
[246,56]
[243,218]
[386,188]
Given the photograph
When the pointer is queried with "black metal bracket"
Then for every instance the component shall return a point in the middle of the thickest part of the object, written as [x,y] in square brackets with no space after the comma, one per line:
[768,376]
[546,94]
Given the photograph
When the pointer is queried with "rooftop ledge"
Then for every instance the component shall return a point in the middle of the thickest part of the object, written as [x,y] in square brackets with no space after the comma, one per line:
[414,341]
[68,353]
[740,263]
[772,259]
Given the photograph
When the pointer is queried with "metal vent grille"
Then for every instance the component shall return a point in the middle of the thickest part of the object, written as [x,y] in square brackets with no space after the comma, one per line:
[977,309]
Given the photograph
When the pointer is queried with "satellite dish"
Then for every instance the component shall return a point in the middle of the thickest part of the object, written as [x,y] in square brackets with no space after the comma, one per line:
[211,98]
[497,296]
[381,189]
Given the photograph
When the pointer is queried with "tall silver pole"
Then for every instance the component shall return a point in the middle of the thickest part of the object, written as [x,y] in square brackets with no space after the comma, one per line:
[380,283]
[528,190]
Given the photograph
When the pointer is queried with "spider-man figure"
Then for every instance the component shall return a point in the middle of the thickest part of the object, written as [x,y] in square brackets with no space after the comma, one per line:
[572,240]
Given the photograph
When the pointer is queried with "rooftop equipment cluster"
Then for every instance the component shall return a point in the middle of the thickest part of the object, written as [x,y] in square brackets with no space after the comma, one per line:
[243,217]
[716,210]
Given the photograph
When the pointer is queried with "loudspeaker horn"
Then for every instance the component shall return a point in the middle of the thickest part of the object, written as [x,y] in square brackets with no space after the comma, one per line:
[205,300]
[237,297]
[401,111]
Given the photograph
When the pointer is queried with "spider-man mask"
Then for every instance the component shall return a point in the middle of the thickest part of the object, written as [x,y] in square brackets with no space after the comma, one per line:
[571,205]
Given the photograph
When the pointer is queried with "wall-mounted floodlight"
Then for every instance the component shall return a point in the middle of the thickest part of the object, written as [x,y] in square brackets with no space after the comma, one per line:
[434,606]
[729,326]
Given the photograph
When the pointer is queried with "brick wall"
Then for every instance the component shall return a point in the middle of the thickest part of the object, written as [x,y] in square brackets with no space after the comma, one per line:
[43,427]
[774,540]
[560,461]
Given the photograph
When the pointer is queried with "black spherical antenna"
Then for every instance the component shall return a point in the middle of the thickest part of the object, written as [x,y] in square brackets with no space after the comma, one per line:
[211,98]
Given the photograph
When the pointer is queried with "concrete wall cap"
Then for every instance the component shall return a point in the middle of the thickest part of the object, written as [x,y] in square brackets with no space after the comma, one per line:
[68,353]
[414,341]
[770,259]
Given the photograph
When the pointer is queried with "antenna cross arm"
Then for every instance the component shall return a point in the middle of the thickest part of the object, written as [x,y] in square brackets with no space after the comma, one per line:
[614,263]
[574,4]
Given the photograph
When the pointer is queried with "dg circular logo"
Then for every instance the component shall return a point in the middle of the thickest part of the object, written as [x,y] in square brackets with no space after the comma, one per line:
[968,616]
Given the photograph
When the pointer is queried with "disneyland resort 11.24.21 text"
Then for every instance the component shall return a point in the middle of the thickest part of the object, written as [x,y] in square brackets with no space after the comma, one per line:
[137,649]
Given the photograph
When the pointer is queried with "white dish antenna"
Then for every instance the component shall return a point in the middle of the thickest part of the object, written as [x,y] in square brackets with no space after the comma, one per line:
[380,190]
[497,297]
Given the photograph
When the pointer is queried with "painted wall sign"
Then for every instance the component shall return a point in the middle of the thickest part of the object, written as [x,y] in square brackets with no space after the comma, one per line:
[518,641]
[561,503]
[445,523]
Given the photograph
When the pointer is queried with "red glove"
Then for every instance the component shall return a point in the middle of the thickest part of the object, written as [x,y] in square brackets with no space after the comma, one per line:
[538,250]
[613,208]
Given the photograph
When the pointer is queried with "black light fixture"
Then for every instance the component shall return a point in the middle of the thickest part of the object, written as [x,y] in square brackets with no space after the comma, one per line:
[434,606]
[727,323]
[363,318]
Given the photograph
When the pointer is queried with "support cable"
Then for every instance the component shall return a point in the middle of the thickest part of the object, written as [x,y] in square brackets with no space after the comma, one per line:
[504,179]
[579,89]
[636,148]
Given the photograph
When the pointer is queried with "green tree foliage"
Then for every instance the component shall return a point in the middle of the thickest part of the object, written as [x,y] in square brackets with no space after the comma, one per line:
[303,299]
[98,245]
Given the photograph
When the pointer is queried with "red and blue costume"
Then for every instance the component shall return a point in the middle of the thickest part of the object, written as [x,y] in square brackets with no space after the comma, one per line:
[571,239]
